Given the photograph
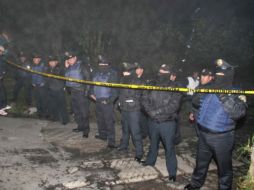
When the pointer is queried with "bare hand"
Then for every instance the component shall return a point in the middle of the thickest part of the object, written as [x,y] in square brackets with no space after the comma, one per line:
[191,117]
[66,64]
[93,97]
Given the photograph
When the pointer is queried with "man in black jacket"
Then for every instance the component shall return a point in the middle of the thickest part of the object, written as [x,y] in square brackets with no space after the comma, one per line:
[143,116]
[129,103]
[23,79]
[162,108]
[56,92]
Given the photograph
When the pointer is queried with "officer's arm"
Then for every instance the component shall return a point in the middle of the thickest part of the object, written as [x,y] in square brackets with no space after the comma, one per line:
[115,91]
[87,77]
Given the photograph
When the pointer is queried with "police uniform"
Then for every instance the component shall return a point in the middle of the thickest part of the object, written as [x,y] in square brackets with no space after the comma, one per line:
[23,80]
[56,94]
[162,108]
[39,87]
[105,98]
[129,103]
[216,122]
[3,99]
[143,121]
[79,92]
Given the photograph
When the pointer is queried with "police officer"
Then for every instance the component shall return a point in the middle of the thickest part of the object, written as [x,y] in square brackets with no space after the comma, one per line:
[216,123]
[175,81]
[162,107]
[56,92]
[23,79]
[39,85]
[129,103]
[76,69]
[206,82]
[3,99]
[143,116]
[104,98]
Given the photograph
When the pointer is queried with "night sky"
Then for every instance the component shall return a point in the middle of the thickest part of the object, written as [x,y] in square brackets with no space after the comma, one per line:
[152,32]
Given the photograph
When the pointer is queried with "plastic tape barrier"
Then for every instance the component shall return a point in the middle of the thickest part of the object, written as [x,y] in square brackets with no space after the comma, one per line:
[133,86]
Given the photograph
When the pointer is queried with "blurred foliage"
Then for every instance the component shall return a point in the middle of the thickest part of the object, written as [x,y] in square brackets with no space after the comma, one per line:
[246,182]
[245,150]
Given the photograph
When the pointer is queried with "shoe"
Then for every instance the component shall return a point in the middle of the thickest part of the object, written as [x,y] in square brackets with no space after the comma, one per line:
[7,107]
[111,146]
[190,187]
[144,137]
[146,164]
[76,130]
[65,122]
[52,119]
[85,135]
[121,149]
[2,112]
[172,178]
[99,137]
[139,160]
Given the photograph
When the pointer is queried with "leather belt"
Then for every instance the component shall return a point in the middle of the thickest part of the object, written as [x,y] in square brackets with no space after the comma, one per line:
[209,131]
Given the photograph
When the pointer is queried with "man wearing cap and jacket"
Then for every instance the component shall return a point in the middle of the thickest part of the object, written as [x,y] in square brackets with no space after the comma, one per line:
[39,85]
[129,104]
[206,82]
[104,98]
[56,92]
[76,69]
[143,116]
[162,108]
[216,123]
[23,79]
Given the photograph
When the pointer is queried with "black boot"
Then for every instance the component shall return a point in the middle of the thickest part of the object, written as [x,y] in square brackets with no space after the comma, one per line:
[190,187]
[172,178]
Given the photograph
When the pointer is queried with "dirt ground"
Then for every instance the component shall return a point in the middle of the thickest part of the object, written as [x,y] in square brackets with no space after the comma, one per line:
[38,154]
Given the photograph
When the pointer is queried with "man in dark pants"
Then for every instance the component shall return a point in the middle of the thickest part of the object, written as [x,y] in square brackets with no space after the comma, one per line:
[104,98]
[76,69]
[39,86]
[174,74]
[56,92]
[216,124]
[162,107]
[129,103]
[143,122]
[23,80]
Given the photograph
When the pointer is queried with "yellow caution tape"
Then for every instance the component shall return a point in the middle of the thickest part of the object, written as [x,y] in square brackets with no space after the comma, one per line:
[134,86]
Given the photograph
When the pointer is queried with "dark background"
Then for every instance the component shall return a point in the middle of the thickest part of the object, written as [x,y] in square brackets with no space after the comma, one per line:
[151,32]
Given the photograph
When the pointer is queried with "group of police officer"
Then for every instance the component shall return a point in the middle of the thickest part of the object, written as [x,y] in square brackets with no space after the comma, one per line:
[214,114]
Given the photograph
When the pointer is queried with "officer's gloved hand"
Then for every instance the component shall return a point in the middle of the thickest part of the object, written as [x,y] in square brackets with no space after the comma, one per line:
[242,98]
[223,97]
